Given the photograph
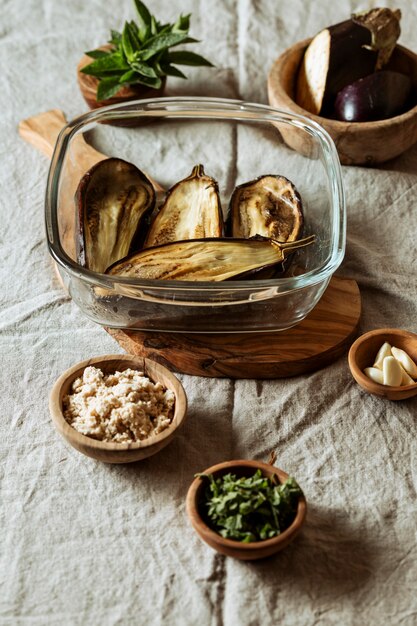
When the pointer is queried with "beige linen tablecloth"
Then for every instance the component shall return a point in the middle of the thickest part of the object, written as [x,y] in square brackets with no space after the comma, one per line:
[83,543]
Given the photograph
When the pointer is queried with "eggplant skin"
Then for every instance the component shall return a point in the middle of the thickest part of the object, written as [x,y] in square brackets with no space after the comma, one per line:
[342,54]
[113,199]
[378,96]
[213,260]
[269,206]
[191,210]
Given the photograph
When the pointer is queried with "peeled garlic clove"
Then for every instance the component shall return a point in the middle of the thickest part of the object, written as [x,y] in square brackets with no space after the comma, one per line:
[374,374]
[407,363]
[384,351]
[406,379]
[391,370]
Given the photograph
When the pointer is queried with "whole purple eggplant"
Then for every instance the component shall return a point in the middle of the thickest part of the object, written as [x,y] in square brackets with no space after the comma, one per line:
[378,96]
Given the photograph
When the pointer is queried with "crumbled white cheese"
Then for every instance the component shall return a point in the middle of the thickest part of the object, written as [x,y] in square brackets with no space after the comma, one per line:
[122,407]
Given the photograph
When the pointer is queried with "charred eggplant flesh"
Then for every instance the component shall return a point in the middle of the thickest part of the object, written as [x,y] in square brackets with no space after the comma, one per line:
[191,210]
[113,200]
[206,259]
[269,206]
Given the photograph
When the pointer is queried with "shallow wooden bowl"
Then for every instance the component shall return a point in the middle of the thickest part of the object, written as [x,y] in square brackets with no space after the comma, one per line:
[236,549]
[117,452]
[364,350]
[365,143]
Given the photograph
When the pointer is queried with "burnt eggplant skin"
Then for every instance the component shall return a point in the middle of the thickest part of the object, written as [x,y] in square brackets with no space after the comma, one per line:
[214,259]
[378,96]
[114,200]
[191,210]
[342,54]
[269,206]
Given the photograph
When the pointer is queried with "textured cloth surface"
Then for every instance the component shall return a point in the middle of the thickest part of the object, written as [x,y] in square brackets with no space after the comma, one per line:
[86,543]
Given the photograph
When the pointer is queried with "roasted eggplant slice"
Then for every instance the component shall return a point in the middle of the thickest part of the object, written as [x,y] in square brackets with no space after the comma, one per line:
[113,199]
[269,206]
[343,53]
[206,259]
[191,210]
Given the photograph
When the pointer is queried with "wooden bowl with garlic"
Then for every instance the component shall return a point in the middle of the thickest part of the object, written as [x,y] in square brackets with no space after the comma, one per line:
[384,362]
[118,408]
[355,81]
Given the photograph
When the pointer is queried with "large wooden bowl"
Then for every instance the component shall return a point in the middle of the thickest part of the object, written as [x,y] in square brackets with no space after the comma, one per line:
[365,143]
[229,547]
[364,350]
[118,452]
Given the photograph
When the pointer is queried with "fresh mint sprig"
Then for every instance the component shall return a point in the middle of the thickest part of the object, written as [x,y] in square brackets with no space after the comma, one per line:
[250,508]
[141,54]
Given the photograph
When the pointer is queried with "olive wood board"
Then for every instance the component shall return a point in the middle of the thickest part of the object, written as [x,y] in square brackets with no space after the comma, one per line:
[324,335]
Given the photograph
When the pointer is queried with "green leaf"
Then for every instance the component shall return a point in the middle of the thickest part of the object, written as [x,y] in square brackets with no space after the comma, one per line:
[143,15]
[170,70]
[116,37]
[107,88]
[134,34]
[109,63]
[164,28]
[154,27]
[182,24]
[97,54]
[162,42]
[189,40]
[127,77]
[155,83]
[144,69]
[128,43]
[186,57]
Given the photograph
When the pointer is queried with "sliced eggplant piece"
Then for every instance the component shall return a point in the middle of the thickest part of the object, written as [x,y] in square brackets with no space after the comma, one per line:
[269,206]
[206,259]
[113,199]
[343,53]
[376,97]
[191,210]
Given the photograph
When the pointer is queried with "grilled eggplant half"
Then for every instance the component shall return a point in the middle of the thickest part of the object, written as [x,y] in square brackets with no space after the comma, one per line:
[191,210]
[269,206]
[206,259]
[114,199]
[342,54]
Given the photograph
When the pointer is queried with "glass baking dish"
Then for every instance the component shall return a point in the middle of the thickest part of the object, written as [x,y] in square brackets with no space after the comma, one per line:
[236,142]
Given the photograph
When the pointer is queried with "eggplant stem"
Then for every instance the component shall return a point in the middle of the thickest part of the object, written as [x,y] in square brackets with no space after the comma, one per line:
[289,246]
[198,171]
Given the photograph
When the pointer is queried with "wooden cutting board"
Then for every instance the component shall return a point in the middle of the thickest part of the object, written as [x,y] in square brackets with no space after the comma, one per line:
[317,341]
[323,336]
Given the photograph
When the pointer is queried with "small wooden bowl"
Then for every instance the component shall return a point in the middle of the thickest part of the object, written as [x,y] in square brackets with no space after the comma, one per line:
[117,452]
[357,143]
[364,350]
[236,549]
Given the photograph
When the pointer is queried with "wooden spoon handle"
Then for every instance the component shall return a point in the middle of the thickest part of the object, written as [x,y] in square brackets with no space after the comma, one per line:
[42,130]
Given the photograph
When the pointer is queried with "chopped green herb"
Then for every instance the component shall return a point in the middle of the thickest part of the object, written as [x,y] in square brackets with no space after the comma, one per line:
[250,508]
[140,54]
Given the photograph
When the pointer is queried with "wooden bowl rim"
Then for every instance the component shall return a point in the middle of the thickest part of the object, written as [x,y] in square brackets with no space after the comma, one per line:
[192,508]
[336,124]
[362,378]
[142,363]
